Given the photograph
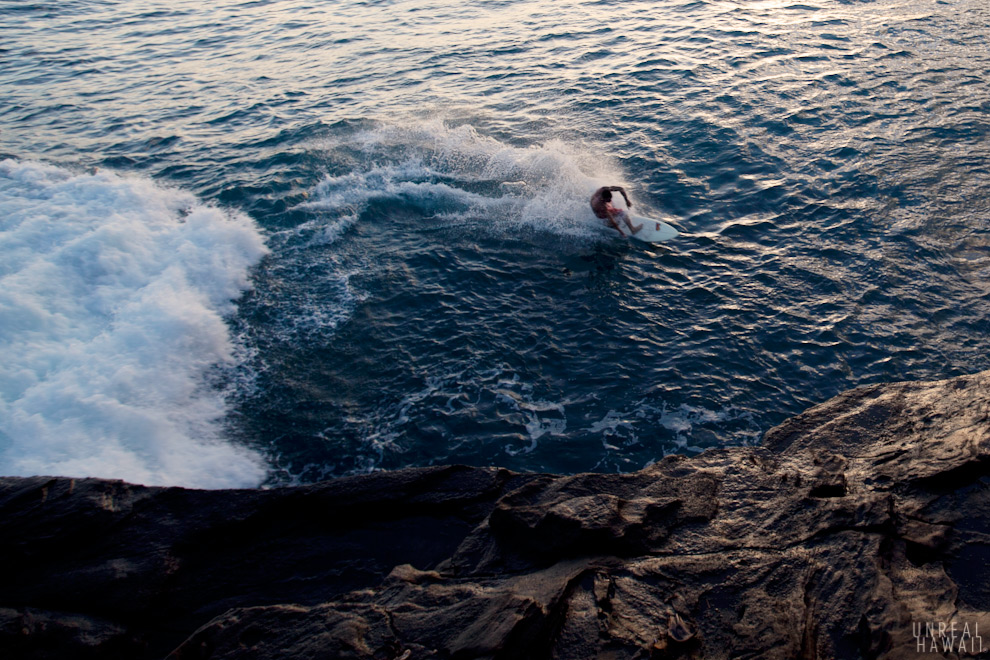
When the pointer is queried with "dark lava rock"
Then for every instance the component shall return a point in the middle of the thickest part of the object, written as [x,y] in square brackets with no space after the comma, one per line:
[855,530]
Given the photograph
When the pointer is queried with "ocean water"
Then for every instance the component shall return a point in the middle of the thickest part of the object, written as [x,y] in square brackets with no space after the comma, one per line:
[257,243]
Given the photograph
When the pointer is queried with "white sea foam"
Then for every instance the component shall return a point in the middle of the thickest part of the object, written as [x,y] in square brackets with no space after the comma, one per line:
[465,176]
[540,417]
[408,180]
[112,297]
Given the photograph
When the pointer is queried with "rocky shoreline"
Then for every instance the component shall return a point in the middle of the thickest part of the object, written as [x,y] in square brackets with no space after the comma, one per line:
[858,527]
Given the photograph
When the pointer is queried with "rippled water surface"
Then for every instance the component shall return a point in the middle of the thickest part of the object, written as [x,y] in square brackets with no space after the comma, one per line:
[395,196]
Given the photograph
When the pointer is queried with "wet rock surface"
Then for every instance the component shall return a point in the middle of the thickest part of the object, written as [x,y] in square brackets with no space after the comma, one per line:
[857,527]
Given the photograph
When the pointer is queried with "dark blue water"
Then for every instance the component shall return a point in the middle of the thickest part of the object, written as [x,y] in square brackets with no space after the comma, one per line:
[433,287]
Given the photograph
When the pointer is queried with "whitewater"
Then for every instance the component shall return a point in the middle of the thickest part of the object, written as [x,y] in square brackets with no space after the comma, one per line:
[260,243]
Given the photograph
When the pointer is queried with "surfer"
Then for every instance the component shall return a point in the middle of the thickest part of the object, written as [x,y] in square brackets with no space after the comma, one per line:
[601,204]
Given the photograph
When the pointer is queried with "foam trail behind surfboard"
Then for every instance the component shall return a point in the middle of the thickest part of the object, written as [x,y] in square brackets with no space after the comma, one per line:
[457,173]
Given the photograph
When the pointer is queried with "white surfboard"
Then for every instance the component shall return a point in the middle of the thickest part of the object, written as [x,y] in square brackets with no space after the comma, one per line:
[653,231]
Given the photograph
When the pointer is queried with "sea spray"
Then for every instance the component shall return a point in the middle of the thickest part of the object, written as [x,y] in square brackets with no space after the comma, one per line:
[456,173]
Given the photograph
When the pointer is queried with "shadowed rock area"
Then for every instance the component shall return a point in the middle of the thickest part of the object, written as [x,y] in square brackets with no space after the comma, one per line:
[858,525]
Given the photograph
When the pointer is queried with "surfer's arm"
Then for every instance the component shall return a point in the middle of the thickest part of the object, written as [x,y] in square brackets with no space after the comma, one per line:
[622,191]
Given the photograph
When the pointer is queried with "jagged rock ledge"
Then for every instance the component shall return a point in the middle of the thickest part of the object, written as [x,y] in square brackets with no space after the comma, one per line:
[855,526]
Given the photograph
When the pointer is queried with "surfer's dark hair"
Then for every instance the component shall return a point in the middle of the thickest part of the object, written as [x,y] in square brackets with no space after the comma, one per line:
[607,195]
